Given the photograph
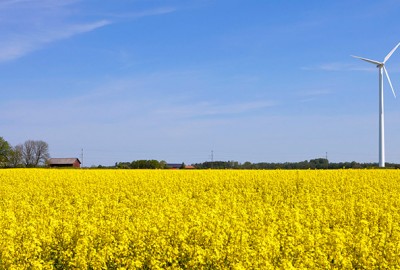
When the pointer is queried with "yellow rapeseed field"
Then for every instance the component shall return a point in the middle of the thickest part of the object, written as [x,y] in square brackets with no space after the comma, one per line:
[209,219]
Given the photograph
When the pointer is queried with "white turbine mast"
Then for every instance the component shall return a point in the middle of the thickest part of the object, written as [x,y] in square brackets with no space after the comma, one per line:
[381,68]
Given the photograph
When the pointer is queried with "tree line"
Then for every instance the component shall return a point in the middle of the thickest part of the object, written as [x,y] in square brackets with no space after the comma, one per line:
[145,164]
[33,153]
[141,164]
[318,163]
[29,154]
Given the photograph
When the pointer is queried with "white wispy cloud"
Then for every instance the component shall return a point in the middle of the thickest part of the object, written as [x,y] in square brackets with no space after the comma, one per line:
[314,93]
[203,109]
[20,45]
[337,66]
[41,3]
[140,14]
[29,25]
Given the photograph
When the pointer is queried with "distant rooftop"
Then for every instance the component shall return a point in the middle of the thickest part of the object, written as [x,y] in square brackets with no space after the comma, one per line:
[57,161]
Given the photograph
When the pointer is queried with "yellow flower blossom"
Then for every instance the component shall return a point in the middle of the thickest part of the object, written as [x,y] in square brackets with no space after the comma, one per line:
[200,219]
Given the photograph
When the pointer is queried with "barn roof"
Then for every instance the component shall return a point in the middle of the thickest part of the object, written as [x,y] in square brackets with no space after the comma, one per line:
[63,160]
[174,165]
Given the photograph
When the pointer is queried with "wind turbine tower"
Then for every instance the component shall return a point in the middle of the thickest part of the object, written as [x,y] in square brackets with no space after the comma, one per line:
[381,69]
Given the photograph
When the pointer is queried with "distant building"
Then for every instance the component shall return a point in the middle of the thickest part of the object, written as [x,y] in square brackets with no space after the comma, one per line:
[64,163]
[178,166]
[174,165]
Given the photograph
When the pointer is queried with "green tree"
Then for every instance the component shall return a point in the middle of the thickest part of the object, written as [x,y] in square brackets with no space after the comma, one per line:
[319,163]
[145,164]
[247,165]
[5,149]
[123,165]
[163,164]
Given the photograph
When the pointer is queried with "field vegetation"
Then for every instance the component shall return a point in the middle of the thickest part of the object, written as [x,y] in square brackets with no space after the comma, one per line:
[199,219]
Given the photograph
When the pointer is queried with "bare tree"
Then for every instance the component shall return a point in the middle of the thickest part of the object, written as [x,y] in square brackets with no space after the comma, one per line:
[41,152]
[35,153]
[27,153]
[16,156]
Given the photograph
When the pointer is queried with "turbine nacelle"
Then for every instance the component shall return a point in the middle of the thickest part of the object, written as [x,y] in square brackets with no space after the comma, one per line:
[381,65]
[382,69]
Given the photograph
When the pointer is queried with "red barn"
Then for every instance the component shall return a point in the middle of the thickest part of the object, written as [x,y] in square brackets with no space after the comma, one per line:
[64,162]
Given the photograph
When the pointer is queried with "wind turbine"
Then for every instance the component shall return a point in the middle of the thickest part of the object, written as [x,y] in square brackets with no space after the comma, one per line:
[381,68]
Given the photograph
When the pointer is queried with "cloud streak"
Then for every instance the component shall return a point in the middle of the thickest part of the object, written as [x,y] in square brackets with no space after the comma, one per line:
[205,109]
[336,66]
[141,14]
[20,45]
[30,25]
[314,93]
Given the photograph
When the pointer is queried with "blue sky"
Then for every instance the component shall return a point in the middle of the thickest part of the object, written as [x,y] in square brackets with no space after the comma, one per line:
[174,80]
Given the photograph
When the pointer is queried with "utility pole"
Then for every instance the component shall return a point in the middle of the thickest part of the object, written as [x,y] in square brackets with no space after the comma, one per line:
[327,161]
[82,158]
[212,159]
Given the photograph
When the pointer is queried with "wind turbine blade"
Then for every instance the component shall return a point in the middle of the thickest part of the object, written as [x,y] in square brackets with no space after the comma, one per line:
[390,54]
[368,60]
[390,83]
